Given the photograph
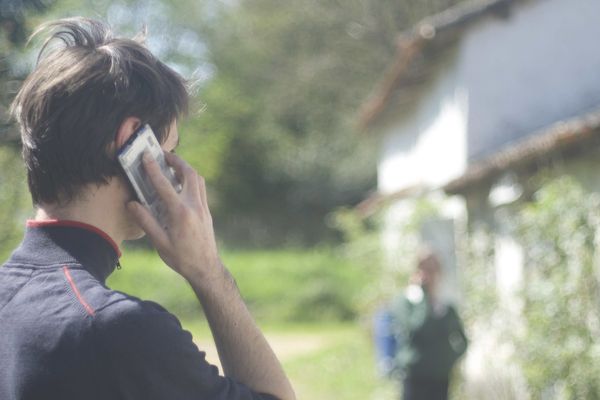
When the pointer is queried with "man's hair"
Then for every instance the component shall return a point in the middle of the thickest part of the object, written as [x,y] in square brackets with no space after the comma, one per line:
[85,84]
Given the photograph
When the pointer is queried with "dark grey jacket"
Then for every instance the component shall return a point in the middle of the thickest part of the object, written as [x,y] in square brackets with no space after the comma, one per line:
[65,335]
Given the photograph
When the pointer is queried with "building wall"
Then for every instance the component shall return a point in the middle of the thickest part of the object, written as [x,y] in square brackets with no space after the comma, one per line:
[510,77]
[427,147]
[522,73]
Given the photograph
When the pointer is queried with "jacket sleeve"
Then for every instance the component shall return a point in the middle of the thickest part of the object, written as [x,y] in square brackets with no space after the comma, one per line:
[457,338]
[147,355]
[402,331]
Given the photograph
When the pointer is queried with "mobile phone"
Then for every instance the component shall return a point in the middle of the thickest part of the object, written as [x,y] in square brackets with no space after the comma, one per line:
[130,157]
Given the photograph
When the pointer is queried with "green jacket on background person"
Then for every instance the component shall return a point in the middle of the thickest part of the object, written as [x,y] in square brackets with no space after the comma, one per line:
[429,340]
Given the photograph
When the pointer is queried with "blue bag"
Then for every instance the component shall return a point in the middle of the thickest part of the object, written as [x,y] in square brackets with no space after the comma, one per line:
[385,341]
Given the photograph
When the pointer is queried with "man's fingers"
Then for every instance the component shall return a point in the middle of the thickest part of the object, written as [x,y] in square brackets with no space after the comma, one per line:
[174,161]
[162,185]
[185,173]
[148,223]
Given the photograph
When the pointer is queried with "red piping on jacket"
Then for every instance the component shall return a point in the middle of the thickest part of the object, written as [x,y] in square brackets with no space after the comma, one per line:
[84,303]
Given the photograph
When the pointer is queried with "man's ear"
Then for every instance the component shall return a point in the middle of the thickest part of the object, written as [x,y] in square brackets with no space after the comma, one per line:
[126,129]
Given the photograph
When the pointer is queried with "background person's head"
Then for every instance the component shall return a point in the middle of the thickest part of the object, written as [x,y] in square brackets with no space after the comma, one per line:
[86,84]
[429,270]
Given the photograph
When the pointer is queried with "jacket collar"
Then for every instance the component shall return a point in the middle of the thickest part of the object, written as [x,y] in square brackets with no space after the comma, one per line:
[55,242]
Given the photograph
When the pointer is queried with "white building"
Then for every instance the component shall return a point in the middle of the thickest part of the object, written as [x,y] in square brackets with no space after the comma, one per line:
[478,98]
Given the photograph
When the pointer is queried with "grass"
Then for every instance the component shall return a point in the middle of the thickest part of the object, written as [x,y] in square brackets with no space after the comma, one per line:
[340,365]
[285,285]
[343,369]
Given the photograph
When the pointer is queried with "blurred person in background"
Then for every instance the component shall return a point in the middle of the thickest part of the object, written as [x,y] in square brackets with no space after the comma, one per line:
[428,334]
[65,334]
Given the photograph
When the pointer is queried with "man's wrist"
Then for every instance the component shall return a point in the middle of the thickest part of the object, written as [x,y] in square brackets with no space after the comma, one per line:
[209,278]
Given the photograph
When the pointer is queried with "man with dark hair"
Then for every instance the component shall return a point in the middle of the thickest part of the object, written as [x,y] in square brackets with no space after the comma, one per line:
[65,334]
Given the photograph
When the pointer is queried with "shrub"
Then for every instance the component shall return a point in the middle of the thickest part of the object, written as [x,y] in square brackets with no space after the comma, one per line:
[560,349]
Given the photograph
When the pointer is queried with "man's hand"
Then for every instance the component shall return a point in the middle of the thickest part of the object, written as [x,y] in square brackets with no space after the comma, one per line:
[188,243]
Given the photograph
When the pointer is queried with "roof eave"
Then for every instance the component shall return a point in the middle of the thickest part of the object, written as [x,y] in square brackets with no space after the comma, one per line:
[560,137]
[445,26]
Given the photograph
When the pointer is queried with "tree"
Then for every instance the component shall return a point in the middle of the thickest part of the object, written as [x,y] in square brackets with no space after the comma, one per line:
[13,33]
[13,194]
[289,79]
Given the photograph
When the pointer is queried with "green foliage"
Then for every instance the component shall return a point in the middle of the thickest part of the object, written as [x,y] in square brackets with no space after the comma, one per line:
[362,236]
[297,285]
[362,243]
[555,335]
[279,285]
[13,33]
[560,351]
[386,252]
[14,198]
[298,72]
[479,284]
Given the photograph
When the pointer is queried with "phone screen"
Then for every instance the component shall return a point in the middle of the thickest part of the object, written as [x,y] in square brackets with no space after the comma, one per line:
[130,157]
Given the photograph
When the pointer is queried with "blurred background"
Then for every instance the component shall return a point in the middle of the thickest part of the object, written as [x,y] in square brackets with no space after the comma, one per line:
[338,136]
